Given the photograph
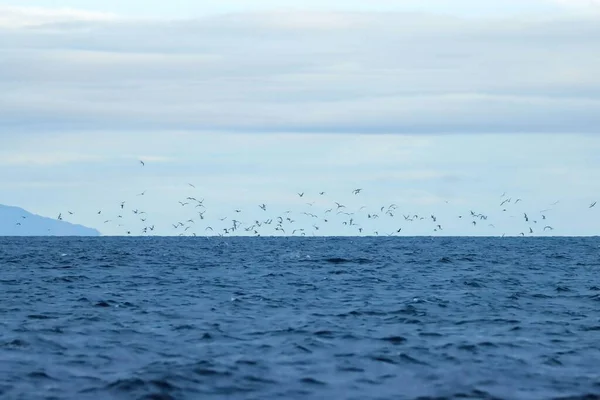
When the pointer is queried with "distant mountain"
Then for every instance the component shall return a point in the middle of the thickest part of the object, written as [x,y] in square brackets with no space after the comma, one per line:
[15,221]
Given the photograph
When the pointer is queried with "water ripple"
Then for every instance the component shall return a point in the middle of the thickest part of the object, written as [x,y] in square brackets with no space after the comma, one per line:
[261,318]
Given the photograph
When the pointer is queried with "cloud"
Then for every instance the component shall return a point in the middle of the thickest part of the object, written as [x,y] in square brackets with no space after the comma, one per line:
[10,159]
[24,17]
[302,72]
[578,3]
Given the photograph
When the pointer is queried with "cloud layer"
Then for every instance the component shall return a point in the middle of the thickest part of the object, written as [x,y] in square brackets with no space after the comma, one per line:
[301,72]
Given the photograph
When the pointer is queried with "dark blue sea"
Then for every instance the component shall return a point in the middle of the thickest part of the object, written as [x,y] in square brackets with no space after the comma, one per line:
[299,318]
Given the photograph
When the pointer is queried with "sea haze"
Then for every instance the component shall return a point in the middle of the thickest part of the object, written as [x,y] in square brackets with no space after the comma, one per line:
[299,318]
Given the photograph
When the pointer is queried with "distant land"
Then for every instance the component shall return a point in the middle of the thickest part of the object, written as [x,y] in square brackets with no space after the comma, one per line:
[15,221]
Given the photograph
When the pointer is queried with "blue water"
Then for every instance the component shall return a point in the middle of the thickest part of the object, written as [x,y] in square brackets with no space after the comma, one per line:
[299,318]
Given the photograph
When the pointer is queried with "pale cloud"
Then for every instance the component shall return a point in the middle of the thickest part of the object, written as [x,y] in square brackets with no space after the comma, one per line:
[579,3]
[44,158]
[26,17]
[305,72]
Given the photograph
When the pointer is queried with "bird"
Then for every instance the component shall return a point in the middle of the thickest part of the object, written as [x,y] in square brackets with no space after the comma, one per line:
[356,191]
[143,163]
[593,204]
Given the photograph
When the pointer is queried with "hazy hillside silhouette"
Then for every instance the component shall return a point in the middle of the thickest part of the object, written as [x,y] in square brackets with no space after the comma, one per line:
[15,221]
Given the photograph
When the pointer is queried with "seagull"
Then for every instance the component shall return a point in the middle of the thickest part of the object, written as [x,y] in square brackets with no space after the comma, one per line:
[60,217]
[192,185]
[263,207]
[143,163]
[356,191]
[301,194]
[593,204]
[143,193]
[548,227]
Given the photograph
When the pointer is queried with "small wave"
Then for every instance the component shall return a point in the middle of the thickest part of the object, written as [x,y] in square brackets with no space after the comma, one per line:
[394,339]
[312,381]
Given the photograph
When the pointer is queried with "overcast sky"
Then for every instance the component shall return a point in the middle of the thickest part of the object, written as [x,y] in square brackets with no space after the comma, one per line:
[437,108]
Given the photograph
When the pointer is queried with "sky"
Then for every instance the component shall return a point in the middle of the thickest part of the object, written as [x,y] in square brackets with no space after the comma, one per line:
[440,108]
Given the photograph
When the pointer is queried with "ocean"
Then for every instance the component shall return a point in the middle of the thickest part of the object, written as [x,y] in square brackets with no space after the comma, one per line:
[300,318]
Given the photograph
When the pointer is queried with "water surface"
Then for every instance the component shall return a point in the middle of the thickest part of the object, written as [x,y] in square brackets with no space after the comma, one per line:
[299,318]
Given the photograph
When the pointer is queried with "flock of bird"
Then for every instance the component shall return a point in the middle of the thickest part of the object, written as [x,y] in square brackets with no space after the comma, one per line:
[355,222]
